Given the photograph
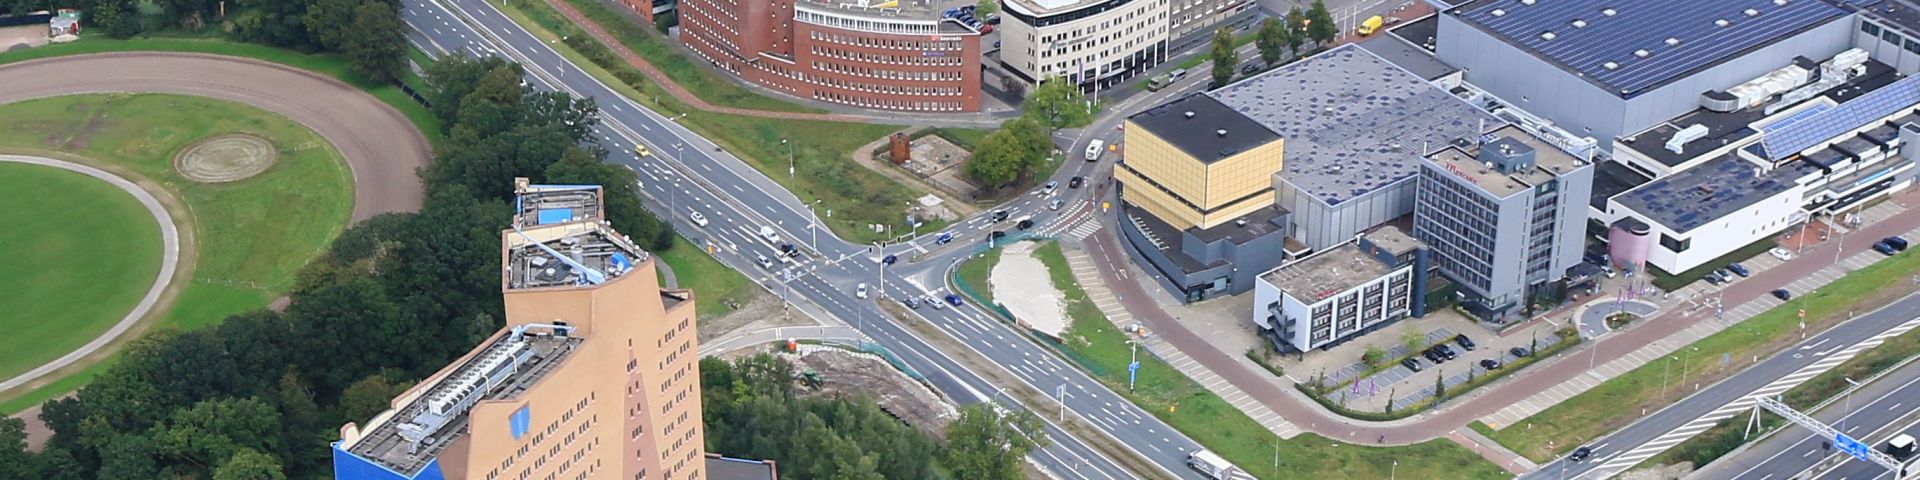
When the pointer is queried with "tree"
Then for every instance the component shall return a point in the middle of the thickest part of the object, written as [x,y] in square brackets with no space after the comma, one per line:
[1296,30]
[451,78]
[368,397]
[15,461]
[376,41]
[128,455]
[1373,356]
[197,438]
[988,443]
[120,18]
[248,464]
[664,22]
[1412,338]
[327,21]
[279,23]
[1224,59]
[985,7]
[1320,25]
[1058,103]
[1439,385]
[1272,39]
[1020,145]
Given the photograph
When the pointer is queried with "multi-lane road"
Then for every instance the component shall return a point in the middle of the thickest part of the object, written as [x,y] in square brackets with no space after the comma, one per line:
[1876,412]
[688,173]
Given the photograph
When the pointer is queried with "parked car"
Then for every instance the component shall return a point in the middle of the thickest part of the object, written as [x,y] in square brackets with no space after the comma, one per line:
[1884,248]
[996,235]
[1433,356]
[953,299]
[1739,269]
[1076,182]
[1445,352]
[1249,68]
[1712,279]
[1580,454]
[1466,343]
[1781,253]
[1782,294]
[1490,364]
[1896,242]
[1411,364]
[860,291]
[1519,352]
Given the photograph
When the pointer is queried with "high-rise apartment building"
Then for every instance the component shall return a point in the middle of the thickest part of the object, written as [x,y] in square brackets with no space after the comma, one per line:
[594,375]
[1504,214]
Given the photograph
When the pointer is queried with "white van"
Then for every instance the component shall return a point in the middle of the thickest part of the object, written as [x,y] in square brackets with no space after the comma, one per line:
[769,234]
[1094,150]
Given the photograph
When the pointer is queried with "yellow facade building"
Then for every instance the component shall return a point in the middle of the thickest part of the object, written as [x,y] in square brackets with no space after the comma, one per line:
[1194,163]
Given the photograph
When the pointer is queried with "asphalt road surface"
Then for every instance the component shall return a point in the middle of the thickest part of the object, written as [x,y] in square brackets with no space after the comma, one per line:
[380,145]
[1873,416]
[687,173]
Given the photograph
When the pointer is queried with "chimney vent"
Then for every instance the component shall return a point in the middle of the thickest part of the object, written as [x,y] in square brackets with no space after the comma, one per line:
[1189,114]
[1221,132]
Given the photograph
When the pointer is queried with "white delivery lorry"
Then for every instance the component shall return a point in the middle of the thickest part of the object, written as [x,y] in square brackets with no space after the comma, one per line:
[1215,467]
[770,235]
[1094,149]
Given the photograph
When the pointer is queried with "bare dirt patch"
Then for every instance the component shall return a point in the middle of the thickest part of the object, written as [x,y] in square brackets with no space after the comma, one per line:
[225,158]
[848,375]
[1021,283]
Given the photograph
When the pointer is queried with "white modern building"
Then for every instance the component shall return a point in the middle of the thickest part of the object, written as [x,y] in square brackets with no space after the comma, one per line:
[1083,41]
[1322,300]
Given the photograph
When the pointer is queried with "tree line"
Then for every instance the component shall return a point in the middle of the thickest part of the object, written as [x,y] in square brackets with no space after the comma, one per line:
[1276,36]
[751,410]
[369,33]
[1020,147]
[393,299]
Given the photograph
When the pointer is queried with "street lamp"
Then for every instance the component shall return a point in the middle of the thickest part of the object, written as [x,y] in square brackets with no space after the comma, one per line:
[790,169]
[1849,401]
[1684,364]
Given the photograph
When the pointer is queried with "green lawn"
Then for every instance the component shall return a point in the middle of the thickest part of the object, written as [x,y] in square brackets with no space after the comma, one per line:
[249,247]
[1203,416]
[820,150]
[713,284]
[656,49]
[331,65]
[1619,401]
[977,271]
[81,254]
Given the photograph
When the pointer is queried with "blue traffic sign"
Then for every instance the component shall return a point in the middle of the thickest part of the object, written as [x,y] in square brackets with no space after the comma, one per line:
[1851,446]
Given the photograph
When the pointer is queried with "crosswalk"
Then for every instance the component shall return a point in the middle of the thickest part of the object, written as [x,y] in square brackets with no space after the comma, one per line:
[1088,276]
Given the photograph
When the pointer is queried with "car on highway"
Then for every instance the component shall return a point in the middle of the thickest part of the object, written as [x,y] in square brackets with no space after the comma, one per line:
[1900,447]
[697,219]
[944,238]
[1884,248]
[1076,182]
[1056,204]
[1411,364]
[1782,294]
[996,235]
[889,259]
[1781,253]
[1519,352]
[1580,454]
[1739,269]
[1096,147]
[953,299]
[642,151]
[1898,244]
[910,302]
[860,291]
[769,234]
[1490,364]
[935,303]
[766,263]
[1000,215]
[1024,224]
[789,251]
[1466,343]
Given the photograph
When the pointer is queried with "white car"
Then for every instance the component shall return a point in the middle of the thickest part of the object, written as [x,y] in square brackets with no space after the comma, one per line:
[697,218]
[766,263]
[1781,253]
[1055,204]
[860,291]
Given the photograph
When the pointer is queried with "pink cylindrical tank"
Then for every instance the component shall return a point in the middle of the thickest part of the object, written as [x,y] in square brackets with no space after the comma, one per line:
[1628,242]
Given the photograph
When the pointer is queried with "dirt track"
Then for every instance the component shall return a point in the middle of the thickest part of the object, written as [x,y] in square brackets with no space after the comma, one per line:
[381,147]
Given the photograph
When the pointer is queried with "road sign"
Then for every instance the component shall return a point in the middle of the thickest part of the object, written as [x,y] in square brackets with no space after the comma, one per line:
[1851,446]
[1133,370]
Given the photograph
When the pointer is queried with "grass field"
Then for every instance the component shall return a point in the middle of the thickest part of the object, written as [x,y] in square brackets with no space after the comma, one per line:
[81,254]
[655,49]
[713,284]
[1619,401]
[249,247]
[1102,349]
[976,272]
[330,65]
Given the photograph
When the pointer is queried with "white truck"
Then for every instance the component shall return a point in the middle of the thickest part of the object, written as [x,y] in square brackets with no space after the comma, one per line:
[770,235]
[1215,467]
[1094,149]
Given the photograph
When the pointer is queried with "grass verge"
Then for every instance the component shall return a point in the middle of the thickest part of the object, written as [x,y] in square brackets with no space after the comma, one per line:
[331,65]
[84,253]
[1619,401]
[1102,349]
[820,151]
[714,285]
[657,50]
[975,273]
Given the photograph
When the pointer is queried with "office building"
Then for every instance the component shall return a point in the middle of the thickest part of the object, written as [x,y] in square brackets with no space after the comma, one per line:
[1603,68]
[594,375]
[1322,300]
[1092,43]
[904,55]
[1505,215]
[648,10]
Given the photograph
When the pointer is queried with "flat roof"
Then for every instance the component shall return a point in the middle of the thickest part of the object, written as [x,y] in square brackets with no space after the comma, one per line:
[558,239]
[1416,60]
[1326,273]
[1392,239]
[1353,122]
[931,10]
[554,204]
[1423,31]
[1902,15]
[1678,37]
[1042,8]
[1613,178]
[726,468]
[417,432]
[1786,139]
[1693,197]
[1733,127]
[1203,128]
[1463,160]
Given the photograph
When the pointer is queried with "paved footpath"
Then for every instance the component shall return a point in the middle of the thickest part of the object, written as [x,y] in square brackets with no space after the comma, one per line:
[1450,419]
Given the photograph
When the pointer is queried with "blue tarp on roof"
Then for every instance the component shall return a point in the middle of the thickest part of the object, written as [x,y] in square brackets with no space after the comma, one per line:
[549,216]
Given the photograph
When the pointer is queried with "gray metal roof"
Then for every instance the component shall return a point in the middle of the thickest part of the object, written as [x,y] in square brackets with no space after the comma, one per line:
[1695,196]
[1353,122]
[1415,59]
[1677,36]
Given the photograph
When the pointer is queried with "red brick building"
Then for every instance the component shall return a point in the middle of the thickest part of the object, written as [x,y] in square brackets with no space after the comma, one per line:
[889,55]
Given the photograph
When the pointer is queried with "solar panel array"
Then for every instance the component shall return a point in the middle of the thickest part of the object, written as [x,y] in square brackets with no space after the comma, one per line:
[1787,121]
[1785,140]
[1676,36]
[1353,122]
[1696,196]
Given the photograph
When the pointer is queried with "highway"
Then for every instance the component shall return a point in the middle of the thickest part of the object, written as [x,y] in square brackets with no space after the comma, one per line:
[688,173]
[1874,414]
[1628,446]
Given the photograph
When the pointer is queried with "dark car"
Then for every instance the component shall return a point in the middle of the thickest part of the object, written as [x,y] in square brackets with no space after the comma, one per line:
[1446,353]
[1490,364]
[953,299]
[1580,454]
[1739,269]
[993,19]
[996,235]
[1519,352]
[1024,224]
[1726,274]
[1411,364]
[1001,215]
[1782,294]
[1884,248]
[1248,69]
[889,259]
[944,238]
[1896,242]
[1076,182]
[1713,279]
[1433,356]
[1466,343]
[789,250]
